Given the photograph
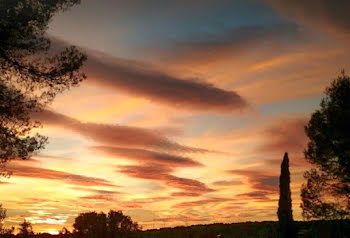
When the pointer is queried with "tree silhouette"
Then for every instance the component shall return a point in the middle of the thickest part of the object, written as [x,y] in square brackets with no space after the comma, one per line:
[30,75]
[4,232]
[118,223]
[285,213]
[326,193]
[64,232]
[25,229]
[91,224]
[2,217]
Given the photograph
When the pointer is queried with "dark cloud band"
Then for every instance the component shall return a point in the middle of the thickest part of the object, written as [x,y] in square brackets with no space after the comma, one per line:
[113,134]
[69,178]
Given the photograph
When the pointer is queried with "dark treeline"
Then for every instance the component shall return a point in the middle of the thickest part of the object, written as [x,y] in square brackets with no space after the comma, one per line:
[268,229]
[87,225]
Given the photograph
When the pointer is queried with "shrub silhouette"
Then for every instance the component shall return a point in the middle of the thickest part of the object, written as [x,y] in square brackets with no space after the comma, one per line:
[25,229]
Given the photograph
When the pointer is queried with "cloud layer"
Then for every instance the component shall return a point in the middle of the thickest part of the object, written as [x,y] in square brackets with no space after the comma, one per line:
[326,14]
[113,134]
[69,178]
[147,156]
[140,80]
[163,174]
[285,135]
[262,184]
[201,202]
[143,80]
[235,44]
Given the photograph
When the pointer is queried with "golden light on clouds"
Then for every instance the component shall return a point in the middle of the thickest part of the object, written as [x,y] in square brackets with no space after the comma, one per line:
[178,125]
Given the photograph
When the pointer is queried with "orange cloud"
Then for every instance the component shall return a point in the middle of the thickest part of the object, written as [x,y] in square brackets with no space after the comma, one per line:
[113,134]
[41,173]
[259,181]
[149,156]
[161,87]
[98,194]
[227,182]
[201,202]
[325,14]
[285,135]
[162,173]
[185,194]
[255,195]
[142,80]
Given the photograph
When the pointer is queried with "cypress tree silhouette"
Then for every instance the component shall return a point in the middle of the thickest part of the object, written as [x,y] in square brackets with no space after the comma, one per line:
[285,213]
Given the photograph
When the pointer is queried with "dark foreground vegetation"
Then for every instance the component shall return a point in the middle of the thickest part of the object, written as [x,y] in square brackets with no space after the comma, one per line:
[268,229]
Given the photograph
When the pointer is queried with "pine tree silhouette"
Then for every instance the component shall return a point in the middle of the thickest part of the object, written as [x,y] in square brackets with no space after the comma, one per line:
[285,213]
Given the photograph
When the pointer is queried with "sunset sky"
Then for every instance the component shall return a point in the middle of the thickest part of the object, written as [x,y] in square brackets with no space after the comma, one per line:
[186,113]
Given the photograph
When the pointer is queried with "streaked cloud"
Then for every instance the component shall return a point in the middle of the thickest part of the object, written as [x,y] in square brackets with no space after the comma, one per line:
[260,181]
[227,182]
[159,87]
[147,156]
[141,79]
[102,197]
[185,194]
[255,195]
[145,202]
[65,177]
[326,14]
[285,135]
[235,44]
[113,134]
[201,202]
[163,174]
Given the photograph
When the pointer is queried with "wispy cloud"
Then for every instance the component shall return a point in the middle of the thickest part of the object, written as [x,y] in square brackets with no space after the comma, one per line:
[144,202]
[234,43]
[144,80]
[325,14]
[261,183]
[201,202]
[255,195]
[285,135]
[160,87]
[163,174]
[96,191]
[147,156]
[113,134]
[69,178]
[185,194]
[227,182]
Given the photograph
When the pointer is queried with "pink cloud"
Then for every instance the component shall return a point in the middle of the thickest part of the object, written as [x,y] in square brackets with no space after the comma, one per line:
[69,178]
[162,173]
[142,155]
